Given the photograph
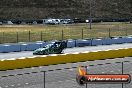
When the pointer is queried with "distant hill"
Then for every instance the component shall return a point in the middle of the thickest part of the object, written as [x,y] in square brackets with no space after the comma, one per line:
[38,9]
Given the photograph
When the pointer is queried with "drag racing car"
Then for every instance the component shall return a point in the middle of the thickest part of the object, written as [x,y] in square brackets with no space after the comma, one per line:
[53,48]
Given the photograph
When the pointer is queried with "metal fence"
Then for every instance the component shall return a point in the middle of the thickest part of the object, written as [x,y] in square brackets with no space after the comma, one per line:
[31,36]
[65,77]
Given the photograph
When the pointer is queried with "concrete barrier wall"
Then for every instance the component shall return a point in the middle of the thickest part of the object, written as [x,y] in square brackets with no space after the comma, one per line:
[107,41]
[63,58]
[10,48]
[5,48]
[129,40]
[71,43]
[83,42]
[96,42]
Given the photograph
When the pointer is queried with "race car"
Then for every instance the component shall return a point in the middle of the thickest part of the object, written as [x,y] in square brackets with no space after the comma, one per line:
[53,48]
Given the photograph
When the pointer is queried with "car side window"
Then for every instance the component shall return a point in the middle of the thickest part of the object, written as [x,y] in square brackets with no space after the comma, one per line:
[53,46]
[57,45]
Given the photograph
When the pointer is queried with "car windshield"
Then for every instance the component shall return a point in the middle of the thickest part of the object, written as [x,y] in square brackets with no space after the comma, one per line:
[49,46]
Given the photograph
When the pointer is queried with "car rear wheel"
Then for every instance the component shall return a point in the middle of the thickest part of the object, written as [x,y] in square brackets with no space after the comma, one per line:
[45,53]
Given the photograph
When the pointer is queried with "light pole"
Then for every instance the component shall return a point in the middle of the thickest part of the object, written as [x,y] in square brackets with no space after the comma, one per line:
[90,18]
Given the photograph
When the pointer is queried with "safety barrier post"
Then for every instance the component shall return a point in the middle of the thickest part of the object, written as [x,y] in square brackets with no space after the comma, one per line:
[3,38]
[17,37]
[82,33]
[126,32]
[109,33]
[62,35]
[41,35]
[29,36]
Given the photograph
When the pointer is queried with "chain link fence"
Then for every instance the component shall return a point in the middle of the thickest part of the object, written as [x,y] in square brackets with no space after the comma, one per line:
[32,36]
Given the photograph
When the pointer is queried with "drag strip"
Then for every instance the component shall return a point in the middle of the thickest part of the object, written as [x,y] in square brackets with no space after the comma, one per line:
[68,50]
[15,55]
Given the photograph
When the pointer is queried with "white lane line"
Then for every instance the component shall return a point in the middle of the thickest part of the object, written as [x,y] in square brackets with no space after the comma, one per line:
[26,83]
[130,71]
[73,80]
[112,59]
[32,68]
[71,69]
[74,63]
[18,84]
[60,81]
[40,67]
[6,86]
[85,62]
[103,72]
[119,70]
[12,85]
[111,71]
[67,80]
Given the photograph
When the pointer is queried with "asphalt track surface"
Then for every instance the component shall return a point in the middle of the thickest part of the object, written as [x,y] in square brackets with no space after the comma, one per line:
[63,75]
[68,50]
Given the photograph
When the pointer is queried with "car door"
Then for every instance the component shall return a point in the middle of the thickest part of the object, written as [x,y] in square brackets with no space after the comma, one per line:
[52,49]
